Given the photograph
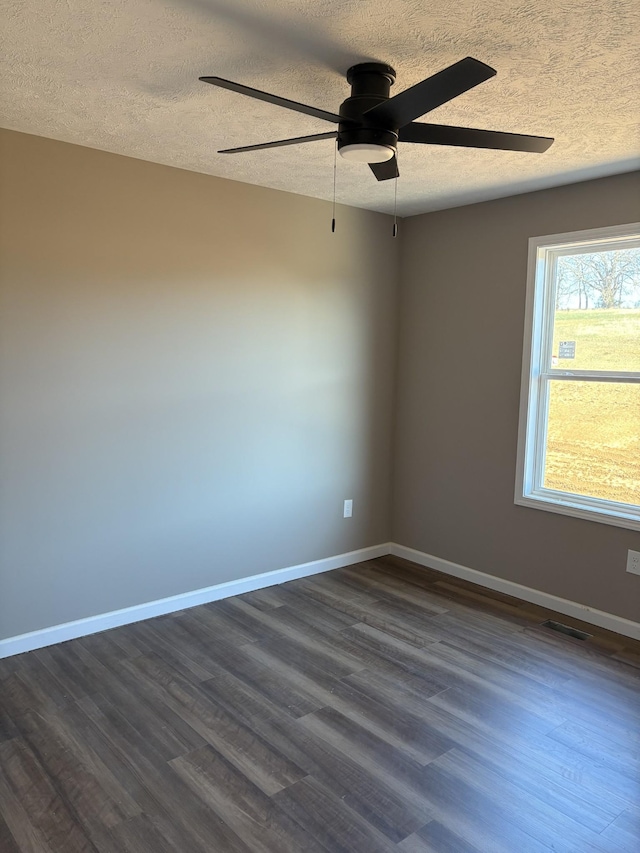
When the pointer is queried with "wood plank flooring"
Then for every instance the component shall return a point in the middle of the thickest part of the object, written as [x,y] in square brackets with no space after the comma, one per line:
[383,707]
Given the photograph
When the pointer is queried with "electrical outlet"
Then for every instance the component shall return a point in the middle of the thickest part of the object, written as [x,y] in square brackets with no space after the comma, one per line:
[633,562]
[348,509]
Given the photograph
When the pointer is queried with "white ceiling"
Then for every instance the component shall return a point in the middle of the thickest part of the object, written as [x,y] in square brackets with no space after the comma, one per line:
[122,75]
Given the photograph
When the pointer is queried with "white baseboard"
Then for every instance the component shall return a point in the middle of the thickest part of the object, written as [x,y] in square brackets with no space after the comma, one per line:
[104,621]
[562,605]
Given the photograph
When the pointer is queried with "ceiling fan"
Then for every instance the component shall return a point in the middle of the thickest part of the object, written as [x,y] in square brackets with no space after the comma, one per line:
[370,123]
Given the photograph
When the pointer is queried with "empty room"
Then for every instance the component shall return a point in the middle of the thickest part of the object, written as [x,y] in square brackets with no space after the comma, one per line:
[319,427]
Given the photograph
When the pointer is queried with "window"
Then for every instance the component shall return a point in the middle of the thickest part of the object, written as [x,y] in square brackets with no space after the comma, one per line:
[579,439]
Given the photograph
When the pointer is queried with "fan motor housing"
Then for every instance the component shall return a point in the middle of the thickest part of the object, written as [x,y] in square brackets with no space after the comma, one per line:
[370,85]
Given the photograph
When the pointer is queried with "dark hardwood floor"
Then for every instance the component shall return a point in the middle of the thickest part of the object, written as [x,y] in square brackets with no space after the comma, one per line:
[383,707]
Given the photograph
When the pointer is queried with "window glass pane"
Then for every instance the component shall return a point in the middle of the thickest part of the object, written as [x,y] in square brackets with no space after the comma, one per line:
[597,311]
[593,440]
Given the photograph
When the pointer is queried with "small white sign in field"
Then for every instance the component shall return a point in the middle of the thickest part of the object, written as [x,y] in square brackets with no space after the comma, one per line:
[567,349]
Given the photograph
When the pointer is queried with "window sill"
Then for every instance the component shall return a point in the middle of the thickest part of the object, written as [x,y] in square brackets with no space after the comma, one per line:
[567,507]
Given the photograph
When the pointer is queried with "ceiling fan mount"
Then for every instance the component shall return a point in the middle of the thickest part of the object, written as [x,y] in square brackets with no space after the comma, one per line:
[371,123]
[371,78]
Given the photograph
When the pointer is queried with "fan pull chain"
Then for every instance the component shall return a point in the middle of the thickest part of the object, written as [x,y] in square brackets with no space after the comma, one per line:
[335,161]
[395,207]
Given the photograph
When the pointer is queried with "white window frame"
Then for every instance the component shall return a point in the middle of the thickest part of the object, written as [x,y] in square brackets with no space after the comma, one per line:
[536,377]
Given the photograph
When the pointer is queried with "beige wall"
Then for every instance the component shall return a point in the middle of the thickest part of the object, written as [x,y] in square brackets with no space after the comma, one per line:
[194,374]
[461,330]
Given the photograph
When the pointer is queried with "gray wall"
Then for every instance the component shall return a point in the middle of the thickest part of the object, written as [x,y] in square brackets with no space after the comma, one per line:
[461,332]
[194,374]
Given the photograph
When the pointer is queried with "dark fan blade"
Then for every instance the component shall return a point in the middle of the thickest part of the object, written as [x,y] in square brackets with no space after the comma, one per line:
[469,137]
[385,171]
[316,136]
[272,99]
[430,93]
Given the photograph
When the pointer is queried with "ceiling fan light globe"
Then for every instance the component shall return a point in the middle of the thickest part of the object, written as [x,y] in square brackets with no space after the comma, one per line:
[367,152]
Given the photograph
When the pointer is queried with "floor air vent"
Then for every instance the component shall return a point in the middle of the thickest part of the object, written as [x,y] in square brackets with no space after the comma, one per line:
[566,629]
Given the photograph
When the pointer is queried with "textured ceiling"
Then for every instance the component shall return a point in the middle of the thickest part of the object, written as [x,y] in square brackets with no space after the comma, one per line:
[122,75]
